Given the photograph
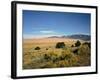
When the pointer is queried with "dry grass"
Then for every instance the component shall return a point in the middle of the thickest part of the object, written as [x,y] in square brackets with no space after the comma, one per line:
[50,57]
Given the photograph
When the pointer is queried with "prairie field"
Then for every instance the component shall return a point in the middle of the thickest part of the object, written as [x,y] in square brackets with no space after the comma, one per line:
[55,53]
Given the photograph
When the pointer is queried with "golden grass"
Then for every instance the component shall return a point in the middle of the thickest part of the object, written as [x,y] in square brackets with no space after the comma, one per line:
[50,57]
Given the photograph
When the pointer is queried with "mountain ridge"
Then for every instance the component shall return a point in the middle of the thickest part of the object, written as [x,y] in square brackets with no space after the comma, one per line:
[74,36]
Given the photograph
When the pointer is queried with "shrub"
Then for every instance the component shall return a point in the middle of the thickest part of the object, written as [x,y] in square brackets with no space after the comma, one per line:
[84,50]
[66,54]
[60,45]
[75,51]
[62,63]
[37,48]
[78,43]
[72,46]
[87,43]
[73,61]
[47,57]
[53,56]
[67,58]
[46,48]
[84,54]
[49,64]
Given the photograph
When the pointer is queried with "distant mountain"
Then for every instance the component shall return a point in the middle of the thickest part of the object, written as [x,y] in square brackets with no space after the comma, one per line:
[80,36]
[54,37]
[75,36]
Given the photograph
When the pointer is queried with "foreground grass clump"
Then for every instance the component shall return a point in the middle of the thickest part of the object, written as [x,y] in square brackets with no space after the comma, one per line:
[57,55]
[84,55]
[65,58]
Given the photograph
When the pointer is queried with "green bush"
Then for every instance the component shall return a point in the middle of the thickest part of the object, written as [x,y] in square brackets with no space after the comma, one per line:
[37,48]
[75,51]
[47,57]
[87,43]
[60,45]
[46,48]
[84,54]
[72,45]
[67,58]
[78,43]
[65,55]
[84,50]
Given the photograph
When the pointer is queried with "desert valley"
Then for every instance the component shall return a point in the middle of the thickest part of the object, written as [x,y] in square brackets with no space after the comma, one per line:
[55,52]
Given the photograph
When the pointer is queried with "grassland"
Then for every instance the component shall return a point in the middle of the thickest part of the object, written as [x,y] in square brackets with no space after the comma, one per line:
[48,56]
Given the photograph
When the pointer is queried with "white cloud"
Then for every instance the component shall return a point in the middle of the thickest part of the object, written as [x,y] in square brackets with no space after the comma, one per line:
[38,36]
[47,32]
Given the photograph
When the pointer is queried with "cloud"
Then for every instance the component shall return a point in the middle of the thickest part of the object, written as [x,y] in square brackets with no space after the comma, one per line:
[47,32]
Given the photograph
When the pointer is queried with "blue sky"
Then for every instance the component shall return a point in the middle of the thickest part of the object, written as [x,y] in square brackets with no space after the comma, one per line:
[38,24]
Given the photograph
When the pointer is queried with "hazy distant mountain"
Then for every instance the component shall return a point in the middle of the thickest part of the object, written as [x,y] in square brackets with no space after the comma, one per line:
[54,37]
[80,36]
[74,36]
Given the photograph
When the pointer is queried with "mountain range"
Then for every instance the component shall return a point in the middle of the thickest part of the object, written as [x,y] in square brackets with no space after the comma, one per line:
[74,36]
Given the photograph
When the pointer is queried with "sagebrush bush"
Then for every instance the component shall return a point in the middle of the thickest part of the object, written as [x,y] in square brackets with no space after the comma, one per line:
[37,48]
[84,55]
[87,43]
[75,51]
[60,45]
[53,57]
[72,45]
[78,43]
[84,50]
[66,54]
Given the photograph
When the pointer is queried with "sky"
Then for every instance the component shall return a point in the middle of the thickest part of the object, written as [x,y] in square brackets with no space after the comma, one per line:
[39,24]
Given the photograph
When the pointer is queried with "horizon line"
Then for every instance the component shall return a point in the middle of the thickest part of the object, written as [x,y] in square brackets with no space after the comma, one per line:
[47,36]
